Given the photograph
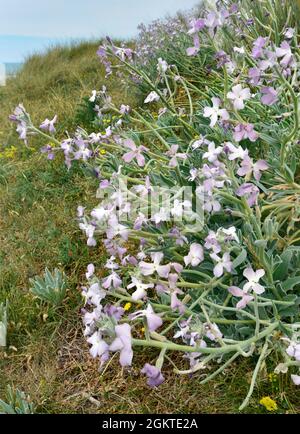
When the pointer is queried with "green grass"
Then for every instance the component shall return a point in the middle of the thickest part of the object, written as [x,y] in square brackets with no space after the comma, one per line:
[47,356]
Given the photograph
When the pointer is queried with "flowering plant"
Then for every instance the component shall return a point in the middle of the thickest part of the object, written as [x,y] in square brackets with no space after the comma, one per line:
[198,202]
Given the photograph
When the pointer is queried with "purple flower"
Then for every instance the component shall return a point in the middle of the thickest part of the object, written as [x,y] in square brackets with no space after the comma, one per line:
[155,377]
[284,52]
[192,51]
[254,75]
[49,125]
[114,311]
[245,298]
[258,46]
[223,263]
[112,281]
[174,155]
[122,343]
[135,153]
[245,131]
[270,95]
[196,26]
[250,191]
[90,271]
[247,167]
[211,242]
[195,256]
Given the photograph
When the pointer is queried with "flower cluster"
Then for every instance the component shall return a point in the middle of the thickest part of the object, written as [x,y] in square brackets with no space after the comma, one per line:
[197,194]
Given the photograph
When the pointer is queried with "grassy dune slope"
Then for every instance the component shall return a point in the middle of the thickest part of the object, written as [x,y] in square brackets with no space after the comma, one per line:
[47,356]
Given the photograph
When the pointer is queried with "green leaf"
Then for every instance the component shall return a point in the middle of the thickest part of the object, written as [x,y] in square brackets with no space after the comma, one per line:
[290,283]
[240,259]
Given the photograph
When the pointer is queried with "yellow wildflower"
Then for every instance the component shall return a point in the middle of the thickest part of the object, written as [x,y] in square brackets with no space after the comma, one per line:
[272,377]
[127,306]
[268,403]
[102,151]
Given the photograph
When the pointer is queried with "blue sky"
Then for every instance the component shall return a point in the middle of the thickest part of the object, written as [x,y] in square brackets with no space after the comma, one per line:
[32,25]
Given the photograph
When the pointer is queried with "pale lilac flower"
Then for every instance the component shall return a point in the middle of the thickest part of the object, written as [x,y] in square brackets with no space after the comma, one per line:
[268,62]
[175,155]
[154,321]
[234,152]
[294,350]
[212,331]
[162,65]
[211,205]
[99,346]
[141,288]
[254,75]
[245,298]
[114,311]
[112,281]
[90,271]
[122,343]
[238,95]
[212,154]
[223,263]
[258,46]
[214,112]
[148,268]
[94,294]
[253,279]
[135,153]
[270,95]
[192,51]
[245,131]
[80,211]
[49,125]
[153,96]
[195,256]
[211,242]
[247,167]
[155,377]
[250,191]
[196,26]
[296,379]
[125,109]
[284,52]
[289,33]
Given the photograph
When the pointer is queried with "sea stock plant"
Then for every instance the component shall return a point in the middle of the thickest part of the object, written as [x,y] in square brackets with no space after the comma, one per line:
[198,199]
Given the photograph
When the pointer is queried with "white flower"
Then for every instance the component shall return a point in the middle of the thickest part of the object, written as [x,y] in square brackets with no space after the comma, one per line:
[253,279]
[240,50]
[296,379]
[153,96]
[214,112]
[294,350]
[93,97]
[140,292]
[235,152]
[238,95]
[99,347]
[212,154]
[162,65]
[195,256]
